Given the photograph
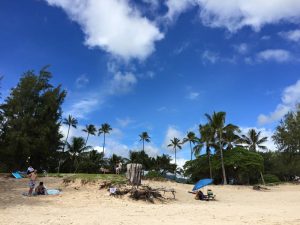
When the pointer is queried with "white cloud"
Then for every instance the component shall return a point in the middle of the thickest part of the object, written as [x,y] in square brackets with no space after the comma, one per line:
[277,55]
[170,134]
[242,48]
[80,108]
[193,95]
[179,161]
[290,97]
[176,7]
[116,83]
[235,14]
[113,25]
[82,81]
[121,83]
[265,37]
[181,48]
[293,35]
[264,133]
[209,56]
[124,122]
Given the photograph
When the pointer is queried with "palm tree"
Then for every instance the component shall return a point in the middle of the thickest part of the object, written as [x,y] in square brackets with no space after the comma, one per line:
[144,137]
[70,121]
[75,149]
[104,129]
[191,138]
[175,143]
[207,138]
[231,138]
[217,122]
[253,140]
[90,130]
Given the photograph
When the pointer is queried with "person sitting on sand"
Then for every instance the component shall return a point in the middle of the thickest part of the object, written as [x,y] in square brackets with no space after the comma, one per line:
[32,178]
[41,189]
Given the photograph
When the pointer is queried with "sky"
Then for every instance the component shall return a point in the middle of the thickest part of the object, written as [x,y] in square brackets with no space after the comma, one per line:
[158,66]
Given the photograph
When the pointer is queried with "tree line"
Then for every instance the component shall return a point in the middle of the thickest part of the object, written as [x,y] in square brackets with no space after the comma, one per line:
[31,118]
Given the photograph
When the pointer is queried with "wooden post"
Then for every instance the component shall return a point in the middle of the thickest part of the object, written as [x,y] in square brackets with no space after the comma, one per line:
[134,173]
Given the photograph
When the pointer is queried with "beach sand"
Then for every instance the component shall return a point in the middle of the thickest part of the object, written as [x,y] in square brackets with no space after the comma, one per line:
[88,205]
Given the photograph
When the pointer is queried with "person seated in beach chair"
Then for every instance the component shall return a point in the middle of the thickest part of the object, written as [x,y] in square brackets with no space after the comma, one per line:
[41,189]
[210,195]
[200,196]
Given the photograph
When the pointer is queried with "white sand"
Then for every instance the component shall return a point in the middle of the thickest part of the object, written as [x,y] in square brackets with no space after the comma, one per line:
[88,205]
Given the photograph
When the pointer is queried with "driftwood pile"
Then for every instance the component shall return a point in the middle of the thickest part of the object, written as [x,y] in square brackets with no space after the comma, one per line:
[145,193]
[260,188]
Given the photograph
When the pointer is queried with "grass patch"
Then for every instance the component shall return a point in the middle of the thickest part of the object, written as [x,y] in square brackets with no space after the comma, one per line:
[91,178]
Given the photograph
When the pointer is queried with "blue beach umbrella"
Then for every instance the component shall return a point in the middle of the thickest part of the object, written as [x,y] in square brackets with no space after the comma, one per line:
[202,183]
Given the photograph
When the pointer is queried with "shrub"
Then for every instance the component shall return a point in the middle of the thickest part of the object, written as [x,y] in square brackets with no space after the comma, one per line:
[154,175]
[270,178]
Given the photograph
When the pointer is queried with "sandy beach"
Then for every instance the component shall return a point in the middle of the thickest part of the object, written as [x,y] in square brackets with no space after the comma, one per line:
[88,205]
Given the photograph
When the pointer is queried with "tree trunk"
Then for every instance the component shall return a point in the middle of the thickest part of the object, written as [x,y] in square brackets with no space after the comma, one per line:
[209,163]
[134,173]
[103,143]
[87,138]
[58,170]
[143,144]
[191,151]
[222,160]
[175,163]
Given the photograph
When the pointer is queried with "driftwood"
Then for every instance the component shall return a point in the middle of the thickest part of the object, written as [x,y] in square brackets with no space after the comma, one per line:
[260,188]
[105,184]
[134,173]
[143,193]
[149,194]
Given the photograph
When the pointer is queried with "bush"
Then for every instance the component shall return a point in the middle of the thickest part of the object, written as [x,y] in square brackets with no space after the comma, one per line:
[154,175]
[270,178]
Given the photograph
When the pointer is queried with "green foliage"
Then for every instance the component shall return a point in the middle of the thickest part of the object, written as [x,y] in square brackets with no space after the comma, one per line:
[271,178]
[154,175]
[32,115]
[241,165]
[287,134]
[161,164]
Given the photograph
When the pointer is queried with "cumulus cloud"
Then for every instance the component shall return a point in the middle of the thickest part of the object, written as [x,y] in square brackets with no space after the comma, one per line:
[170,134]
[176,7]
[277,55]
[293,35]
[289,99]
[235,14]
[113,25]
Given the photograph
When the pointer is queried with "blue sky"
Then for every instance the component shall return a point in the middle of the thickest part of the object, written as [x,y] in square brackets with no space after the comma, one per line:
[158,66]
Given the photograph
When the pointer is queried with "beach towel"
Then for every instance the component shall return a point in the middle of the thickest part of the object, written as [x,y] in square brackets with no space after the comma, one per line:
[49,192]
[53,192]
[17,175]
